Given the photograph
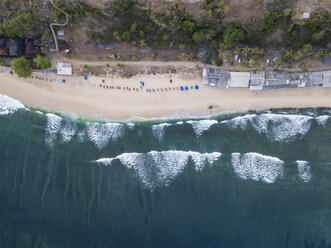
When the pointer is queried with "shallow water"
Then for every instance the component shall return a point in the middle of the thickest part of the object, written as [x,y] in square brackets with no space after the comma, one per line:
[258,180]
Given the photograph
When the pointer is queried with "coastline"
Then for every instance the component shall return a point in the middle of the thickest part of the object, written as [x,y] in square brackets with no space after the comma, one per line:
[88,99]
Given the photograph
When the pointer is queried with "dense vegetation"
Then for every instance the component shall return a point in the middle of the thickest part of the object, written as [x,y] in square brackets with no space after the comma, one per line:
[21,67]
[173,27]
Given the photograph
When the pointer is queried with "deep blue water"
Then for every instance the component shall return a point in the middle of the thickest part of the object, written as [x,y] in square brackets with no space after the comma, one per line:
[259,180]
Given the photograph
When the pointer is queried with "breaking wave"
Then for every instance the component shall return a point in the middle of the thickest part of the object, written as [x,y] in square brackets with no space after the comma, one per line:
[322,120]
[9,105]
[131,126]
[277,127]
[68,131]
[201,126]
[52,128]
[257,167]
[304,172]
[156,169]
[158,130]
[101,134]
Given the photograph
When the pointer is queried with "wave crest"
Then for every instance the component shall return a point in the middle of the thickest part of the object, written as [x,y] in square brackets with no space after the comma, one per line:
[304,172]
[9,105]
[52,128]
[257,167]
[158,130]
[101,134]
[161,168]
[199,127]
[277,127]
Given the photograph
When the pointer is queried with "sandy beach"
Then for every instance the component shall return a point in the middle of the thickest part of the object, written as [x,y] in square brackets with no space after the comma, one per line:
[100,97]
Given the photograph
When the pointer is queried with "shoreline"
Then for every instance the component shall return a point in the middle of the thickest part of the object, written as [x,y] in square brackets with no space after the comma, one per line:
[86,99]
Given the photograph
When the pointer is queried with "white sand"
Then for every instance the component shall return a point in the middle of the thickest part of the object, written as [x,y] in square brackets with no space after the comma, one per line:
[91,100]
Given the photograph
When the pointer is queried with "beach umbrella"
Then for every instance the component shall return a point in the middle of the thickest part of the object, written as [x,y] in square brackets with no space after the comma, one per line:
[85,77]
[186,88]
[63,81]
[181,88]
[143,83]
[196,87]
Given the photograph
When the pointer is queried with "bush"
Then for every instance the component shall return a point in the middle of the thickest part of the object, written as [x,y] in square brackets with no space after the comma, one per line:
[198,37]
[126,36]
[307,48]
[22,67]
[188,27]
[218,61]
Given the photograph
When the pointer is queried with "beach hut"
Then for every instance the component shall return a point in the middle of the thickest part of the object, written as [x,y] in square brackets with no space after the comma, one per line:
[64,69]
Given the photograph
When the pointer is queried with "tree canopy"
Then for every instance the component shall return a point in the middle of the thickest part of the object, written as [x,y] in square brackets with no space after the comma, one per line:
[22,67]
[42,62]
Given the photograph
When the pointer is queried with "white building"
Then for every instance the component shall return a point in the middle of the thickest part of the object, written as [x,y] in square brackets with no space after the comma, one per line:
[239,79]
[306,15]
[60,33]
[326,79]
[64,69]
[257,80]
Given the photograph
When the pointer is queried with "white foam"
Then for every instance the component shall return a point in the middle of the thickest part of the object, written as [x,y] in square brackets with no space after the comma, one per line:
[321,120]
[81,135]
[277,127]
[68,131]
[39,112]
[52,128]
[257,167]
[131,126]
[161,168]
[101,134]
[201,126]
[304,172]
[158,130]
[179,123]
[9,105]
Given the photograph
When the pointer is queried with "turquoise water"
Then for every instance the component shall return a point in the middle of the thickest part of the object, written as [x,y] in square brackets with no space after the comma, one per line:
[258,180]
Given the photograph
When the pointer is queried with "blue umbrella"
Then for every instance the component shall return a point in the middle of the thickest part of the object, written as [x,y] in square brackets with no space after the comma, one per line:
[63,81]
[196,87]
[181,88]
[85,78]
[186,88]
[143,83]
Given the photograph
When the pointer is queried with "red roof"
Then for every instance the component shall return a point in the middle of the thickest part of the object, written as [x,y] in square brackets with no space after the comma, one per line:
[63,47]
[31,50]
[37,42]
[4,51]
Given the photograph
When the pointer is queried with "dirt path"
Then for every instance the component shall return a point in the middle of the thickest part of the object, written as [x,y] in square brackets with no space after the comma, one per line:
[58,24]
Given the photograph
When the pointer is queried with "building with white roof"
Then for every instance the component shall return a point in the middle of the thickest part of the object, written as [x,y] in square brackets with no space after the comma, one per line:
[64,69]
[306,15]
[326,79]
[239,79]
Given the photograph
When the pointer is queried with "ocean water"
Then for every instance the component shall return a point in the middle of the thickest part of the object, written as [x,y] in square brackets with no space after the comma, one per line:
[257,179]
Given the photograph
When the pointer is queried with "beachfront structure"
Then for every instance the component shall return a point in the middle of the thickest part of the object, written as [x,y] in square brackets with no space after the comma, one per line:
[64,69]
[316,78]
[216,77]
[306,15]
[257,80]
[326,79]
[239,79]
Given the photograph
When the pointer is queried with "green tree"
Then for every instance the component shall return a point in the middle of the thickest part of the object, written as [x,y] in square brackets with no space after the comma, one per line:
[318,35]
[188,27]
[198,37]
[307,48]
[126,36]
[232,34]
[42,62]
[21,67]
[182,47]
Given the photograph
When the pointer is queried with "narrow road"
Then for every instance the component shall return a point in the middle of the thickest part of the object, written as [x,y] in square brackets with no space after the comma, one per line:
[58,24]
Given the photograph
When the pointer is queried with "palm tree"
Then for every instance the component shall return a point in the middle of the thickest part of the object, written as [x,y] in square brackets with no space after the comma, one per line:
[246,50]
[288,53]
[142,43]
